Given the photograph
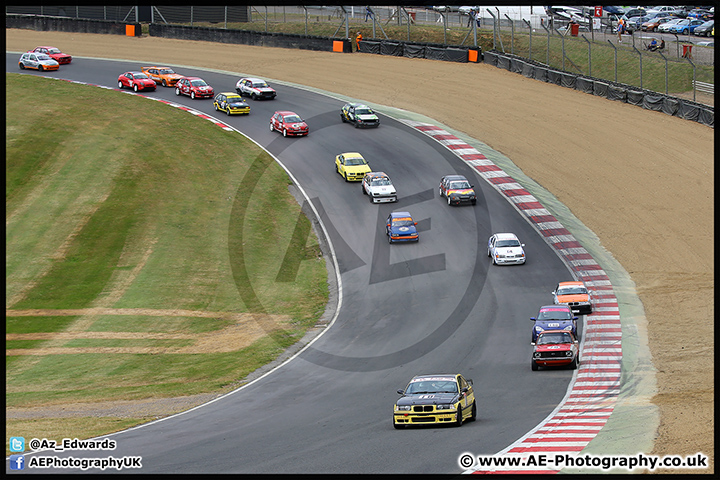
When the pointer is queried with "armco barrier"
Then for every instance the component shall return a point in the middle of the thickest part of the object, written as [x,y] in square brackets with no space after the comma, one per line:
[43,23]
[430,51]
[646,99]
[248,37]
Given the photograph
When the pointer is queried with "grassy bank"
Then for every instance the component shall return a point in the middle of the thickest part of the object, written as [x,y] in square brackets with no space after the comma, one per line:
[132,250]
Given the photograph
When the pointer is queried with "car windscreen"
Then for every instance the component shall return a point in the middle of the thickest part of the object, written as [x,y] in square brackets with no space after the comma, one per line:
[572,291]
[198,83]
[459,185]
[351,160]
[432,387]
[140,75]
[260,85]
[507,243]
[54,50]
[554,315]
[402,222]
[380,181]
[363,111]
[554,339]
[166,71]
[42,56]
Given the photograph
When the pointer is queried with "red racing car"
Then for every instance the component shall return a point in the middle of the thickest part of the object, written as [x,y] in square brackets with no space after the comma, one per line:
[55,54]
[555,348]
[137,81]
[194,87]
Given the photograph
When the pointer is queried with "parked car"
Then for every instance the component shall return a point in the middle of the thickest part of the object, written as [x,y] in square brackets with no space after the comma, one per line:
[665,27]
[700,14]
[667,10]
[705,30]
[231,103]
[37,61]
[194,87]
[652,24]
[165,76]
[55,54]
[685,26]
[614,10]
[633,24]
[137,81]
[633,12]
[289,123]
[255,88]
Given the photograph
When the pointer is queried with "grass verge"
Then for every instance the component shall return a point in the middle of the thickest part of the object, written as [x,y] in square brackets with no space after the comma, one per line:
[123,276]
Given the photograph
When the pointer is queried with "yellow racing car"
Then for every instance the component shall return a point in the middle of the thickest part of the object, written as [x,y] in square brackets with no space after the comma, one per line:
[351,166]
[433,399]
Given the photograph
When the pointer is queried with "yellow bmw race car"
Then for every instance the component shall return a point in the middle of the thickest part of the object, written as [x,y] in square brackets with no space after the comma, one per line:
[351,166]
[431,399]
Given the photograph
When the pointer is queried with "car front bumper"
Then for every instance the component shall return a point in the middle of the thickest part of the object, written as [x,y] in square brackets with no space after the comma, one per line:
[411,418]
[510,261]
[385,199]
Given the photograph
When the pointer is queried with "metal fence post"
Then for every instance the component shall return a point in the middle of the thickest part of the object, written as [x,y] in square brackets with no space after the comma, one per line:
[548,44]
[693,80]
[530,42]
[589,55]
[614,48]
[562,39]
[666,72]
[639,53]
[512,35]
[494,27]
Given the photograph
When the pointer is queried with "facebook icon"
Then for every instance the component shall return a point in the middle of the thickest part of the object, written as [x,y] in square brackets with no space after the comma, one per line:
[17,462]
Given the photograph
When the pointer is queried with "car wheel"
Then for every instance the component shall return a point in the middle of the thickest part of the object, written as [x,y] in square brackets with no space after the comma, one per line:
[574,363]
[458,419]
[216,106]
[473,202]
[164,83]
[41,68]
[362,187]
[192,95]
[449,201]
[534,366]
[372,200]
[272,129]
[135,88]
[254,97]
[177,91]
[685,32]
[357,125]
[389,238]
[473,415]
[346,179]
[120,85]
[493,261]
[342,117]
[227,111]
[284,132]
[22,66]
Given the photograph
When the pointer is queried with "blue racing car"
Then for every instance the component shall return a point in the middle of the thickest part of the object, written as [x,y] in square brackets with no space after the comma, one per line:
[401,228]
[554,317]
